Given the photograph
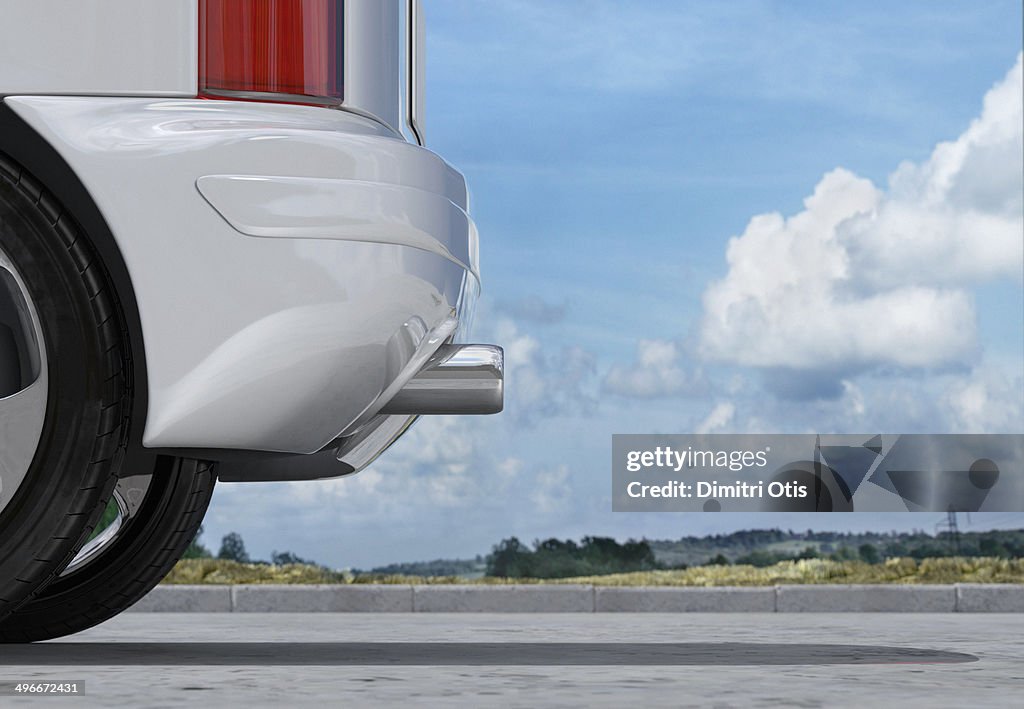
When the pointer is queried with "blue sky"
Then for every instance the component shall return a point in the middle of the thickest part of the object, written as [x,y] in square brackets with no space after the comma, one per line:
[613,150]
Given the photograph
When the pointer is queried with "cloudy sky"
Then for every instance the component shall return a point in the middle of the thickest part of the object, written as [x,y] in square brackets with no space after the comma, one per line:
[700,217]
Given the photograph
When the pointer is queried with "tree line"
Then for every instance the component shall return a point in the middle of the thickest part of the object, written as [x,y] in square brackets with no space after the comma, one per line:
[594,555]
[232,548]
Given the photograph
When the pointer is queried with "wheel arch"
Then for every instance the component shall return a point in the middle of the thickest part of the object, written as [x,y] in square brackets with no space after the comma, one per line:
[30,150]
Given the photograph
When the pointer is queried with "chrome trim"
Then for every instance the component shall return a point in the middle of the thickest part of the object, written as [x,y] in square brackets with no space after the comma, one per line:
[413,347]
[458,379]
[97,544]
[366,114]
[416,70]
[372,62]
[128,495]
[363,447]
[275,97]
[346,456]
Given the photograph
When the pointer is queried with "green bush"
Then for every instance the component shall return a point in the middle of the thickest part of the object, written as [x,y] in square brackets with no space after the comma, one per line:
[554,558]
[903,570]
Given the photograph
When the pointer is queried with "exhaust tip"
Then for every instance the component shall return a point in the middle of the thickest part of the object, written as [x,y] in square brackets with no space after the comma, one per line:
[458,379]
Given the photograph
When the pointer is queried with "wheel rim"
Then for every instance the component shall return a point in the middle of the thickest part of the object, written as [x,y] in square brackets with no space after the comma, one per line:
[128,496]
[23,381]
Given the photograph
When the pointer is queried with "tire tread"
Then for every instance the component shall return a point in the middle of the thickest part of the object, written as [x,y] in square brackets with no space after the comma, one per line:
[111,440]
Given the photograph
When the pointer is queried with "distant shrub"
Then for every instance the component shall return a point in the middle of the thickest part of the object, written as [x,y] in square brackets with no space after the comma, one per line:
[554,558]
[232,548]
[903,570]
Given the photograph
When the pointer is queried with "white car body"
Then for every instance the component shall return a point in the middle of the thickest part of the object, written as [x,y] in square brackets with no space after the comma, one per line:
[291,267]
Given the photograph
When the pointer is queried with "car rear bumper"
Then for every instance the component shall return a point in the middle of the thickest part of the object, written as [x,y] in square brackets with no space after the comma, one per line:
[293,266]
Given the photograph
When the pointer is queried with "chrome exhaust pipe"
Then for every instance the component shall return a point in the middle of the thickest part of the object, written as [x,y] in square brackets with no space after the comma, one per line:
[458,379]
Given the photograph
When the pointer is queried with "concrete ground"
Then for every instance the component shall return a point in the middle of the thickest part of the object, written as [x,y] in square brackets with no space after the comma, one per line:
[470,659]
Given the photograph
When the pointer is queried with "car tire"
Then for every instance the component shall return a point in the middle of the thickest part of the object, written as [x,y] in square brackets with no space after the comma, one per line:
[135,561]
[58,485]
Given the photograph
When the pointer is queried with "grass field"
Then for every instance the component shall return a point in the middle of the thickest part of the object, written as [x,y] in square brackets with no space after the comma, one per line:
[809,571]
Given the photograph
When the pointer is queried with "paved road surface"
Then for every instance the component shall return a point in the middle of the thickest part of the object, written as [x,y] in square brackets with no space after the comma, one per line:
[722,660]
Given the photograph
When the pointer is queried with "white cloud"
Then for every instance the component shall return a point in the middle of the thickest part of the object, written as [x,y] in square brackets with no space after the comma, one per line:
[542,382]
[551,489]
[439,461]
[989,398]
[862,277]
[719,418]
[853,400]
[957,218]
[656,373]
[987,401]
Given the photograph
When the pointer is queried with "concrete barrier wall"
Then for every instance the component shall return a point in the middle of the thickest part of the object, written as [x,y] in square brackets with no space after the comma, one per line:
[991,598]
[837,599]
[503,599]
[659,599]
[368,598]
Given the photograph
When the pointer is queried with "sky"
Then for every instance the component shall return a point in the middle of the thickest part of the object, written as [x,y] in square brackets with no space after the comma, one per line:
[738,217]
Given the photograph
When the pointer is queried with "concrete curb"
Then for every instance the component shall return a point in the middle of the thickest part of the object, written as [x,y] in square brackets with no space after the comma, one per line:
[503,599]
[330,598]
[612,599]
[186,599]
[372,598]
[863,598]
[989,598]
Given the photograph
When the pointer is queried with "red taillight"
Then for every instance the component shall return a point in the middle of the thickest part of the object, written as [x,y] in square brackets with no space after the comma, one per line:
[281,50]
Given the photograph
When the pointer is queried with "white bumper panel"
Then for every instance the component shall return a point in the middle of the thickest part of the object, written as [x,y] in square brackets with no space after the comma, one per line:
[281,342]
[351,210]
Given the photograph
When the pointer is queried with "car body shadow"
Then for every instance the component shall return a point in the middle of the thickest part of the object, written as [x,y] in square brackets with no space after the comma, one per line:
[463,653]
